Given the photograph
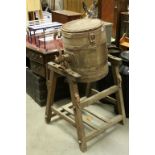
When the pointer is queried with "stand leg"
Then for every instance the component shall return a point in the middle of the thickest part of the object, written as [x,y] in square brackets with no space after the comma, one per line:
[119,93]
[78,115]
[51,84]
[88,89]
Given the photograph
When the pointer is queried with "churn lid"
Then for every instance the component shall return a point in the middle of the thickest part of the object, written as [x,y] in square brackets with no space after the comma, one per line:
[81,25]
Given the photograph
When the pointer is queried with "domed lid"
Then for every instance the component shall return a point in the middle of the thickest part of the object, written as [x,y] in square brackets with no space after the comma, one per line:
[81,25]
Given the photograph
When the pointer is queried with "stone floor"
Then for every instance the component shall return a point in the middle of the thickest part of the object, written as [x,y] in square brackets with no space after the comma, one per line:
[59,137]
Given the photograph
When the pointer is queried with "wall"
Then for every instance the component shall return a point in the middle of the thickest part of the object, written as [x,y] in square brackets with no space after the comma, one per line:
[75,5]
[58,4]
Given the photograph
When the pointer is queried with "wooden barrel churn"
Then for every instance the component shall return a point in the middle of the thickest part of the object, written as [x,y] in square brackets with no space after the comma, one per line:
[85,42]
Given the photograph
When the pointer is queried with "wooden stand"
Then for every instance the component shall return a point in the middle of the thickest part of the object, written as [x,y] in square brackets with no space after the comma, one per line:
[78,104]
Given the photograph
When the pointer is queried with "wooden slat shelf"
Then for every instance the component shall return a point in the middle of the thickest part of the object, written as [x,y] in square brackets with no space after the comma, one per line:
[66,112]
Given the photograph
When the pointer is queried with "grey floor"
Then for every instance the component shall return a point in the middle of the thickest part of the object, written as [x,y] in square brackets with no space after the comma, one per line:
[59,137]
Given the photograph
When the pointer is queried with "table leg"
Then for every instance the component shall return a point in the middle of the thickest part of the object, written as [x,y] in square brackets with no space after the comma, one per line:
[30,37]
[44,39]
[35,38]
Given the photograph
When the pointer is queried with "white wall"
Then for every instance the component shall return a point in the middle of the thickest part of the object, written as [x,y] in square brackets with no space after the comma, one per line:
[58,4]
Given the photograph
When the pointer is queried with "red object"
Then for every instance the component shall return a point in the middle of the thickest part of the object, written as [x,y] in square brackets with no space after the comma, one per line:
[50,45]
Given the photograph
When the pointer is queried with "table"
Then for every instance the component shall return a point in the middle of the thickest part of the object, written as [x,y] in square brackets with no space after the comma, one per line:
[41,26]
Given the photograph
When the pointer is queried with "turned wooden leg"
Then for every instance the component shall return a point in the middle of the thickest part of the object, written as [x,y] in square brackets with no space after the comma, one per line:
[119,93]
[51,84]
[78,115]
